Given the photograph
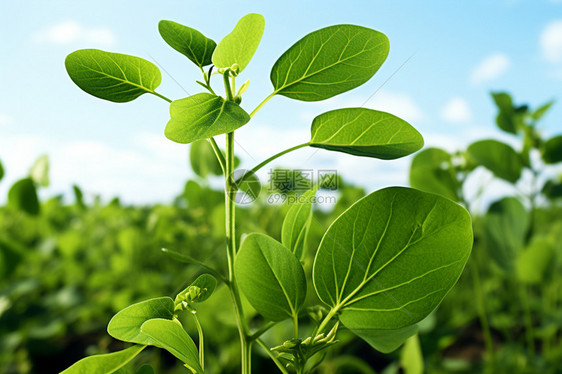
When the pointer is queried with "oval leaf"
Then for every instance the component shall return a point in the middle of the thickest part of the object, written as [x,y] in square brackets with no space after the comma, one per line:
[171,336]
[386,341]
[126,324]
[23,196]
[107,363]
[505,226]
[112,76]
[297,223]
[497,157]
[39,172]
[365,132]
[536,262]
[328,62]
[187,41]
[270,276]
[206,283]
[239,46]
[202,116]
[506,118]
[391,258]
[552,150]
[432,171]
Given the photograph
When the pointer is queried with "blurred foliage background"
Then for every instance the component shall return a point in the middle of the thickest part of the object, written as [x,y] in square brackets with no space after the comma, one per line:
[67,265]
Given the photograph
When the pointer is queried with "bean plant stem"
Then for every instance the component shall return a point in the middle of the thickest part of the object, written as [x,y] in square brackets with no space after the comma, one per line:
[161,96]
[272,356]
[481,307]
[218,153]
[201,341]
[260,105]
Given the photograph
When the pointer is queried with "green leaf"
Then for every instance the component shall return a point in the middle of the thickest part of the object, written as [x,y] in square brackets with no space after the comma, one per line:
[39,172]
[391,258]
[536,262]
[126,324]
[432,171]
[365,132]
[271,277]
[203,159]
[541,111]
[552,150]
[239,46]
[23,196]
[187,41]
[505,226]
[202,116]
[505,119]
[145,369]
[552,189]
[411,356]
[328,62]
[497,157]
[1,171]
[385,341]
[171,336]
[112,76]
[297,223]
[106,363]
[206,283]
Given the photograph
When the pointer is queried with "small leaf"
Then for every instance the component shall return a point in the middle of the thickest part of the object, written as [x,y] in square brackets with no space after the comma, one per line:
[497,157]
[112,76]
[411,356]
[552,150]
[328,62]
[39,172]
[206,283]
[126,324]
[106,363]
[187,41]
[505,119]
[203,159]
[270,276]
[385,341]
[535,263]
[541,111]
[365,132]
[239,46]
[23,196]
[505,226]
[391,258]
[202,116]
[145,369]
[171,336]
[297,223]
[432,171]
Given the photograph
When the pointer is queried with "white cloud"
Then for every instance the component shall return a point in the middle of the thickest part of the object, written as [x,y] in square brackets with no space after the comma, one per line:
[490,68]
[68,32]
[551,41]
[399,104]
[456,110]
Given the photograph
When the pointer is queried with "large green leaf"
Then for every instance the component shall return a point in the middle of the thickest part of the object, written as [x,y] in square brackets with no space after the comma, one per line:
[385,341]
[23,196]
[365,132]
[39,172]
[106,363]
[126,324]
[552,150]
[171,336]
[112,76]
[187,41]
[239,46]
[328,62]
[432,171]
[202,116]
[270,276]
[297,223]
[497,157]
[391,258]
[505,225]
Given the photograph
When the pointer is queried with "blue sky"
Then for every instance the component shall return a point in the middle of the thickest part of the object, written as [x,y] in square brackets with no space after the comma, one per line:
[445,58]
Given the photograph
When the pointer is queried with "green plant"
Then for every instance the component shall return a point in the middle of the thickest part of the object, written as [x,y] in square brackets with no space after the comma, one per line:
[381,267]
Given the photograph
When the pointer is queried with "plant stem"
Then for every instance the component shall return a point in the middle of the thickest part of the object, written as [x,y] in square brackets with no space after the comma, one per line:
[481,307]
[160,96]
[529,330]
[227,88]
[296,325]
[272,356]
[265,162]
[201,341]
[261,331]
[326,320]
[260,105]
[218,153]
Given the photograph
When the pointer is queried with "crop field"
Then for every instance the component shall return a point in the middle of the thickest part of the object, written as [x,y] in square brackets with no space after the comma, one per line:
[390,247]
